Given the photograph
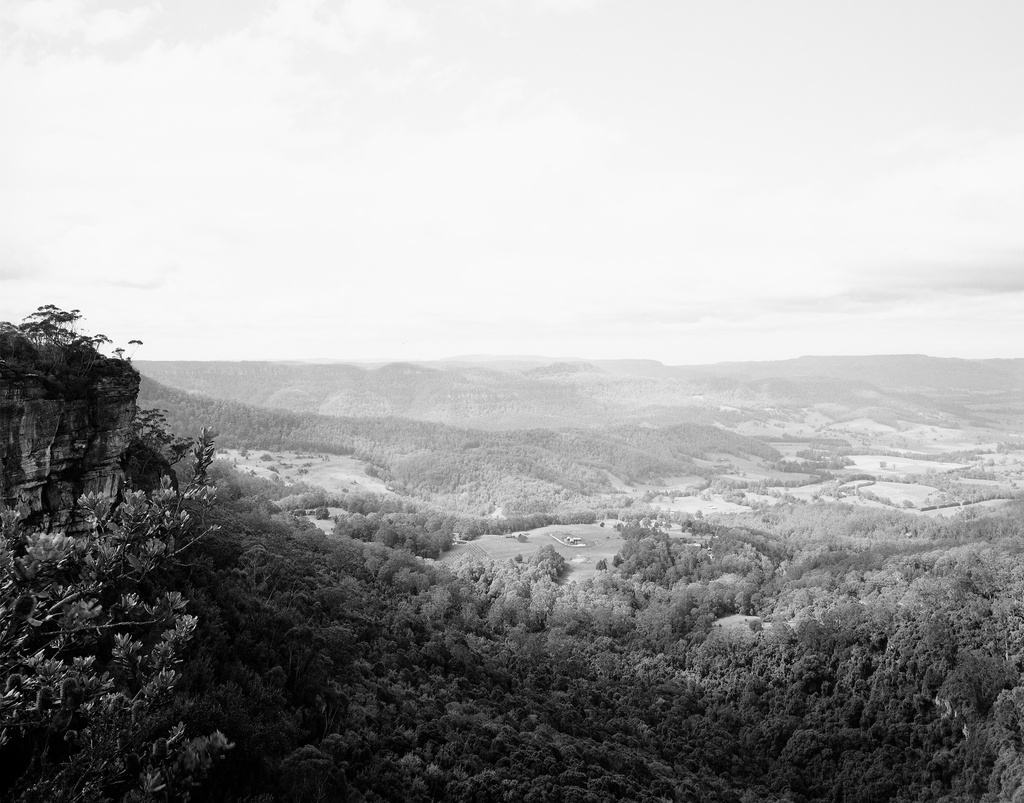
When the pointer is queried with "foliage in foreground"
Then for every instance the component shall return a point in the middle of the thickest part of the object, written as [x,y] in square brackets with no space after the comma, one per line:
[92,638]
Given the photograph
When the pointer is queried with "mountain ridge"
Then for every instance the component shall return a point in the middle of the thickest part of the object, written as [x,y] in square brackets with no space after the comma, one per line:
[599,393]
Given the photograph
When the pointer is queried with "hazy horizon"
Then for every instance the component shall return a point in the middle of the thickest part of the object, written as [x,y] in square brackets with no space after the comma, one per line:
[548,359]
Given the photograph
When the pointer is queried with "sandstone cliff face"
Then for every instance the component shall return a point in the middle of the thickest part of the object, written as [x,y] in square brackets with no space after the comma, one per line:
[54,448]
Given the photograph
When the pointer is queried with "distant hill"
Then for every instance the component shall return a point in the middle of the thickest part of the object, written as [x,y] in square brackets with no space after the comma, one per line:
[521,393]
[895,373]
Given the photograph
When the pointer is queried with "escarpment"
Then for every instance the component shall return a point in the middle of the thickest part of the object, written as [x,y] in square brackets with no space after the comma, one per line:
[59,440]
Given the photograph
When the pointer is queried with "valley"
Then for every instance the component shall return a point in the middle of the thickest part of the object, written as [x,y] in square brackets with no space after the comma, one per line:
[608,581]
[811,454]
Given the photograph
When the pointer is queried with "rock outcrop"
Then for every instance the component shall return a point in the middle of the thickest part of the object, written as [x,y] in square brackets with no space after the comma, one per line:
[56,445]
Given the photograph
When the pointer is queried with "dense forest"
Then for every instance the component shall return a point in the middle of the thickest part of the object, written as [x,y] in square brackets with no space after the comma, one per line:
[196,641]
[887,667]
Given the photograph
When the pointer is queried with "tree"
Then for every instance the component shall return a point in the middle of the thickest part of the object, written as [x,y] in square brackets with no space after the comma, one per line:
[549,560]
[153,449]
[50,325]
[90,639]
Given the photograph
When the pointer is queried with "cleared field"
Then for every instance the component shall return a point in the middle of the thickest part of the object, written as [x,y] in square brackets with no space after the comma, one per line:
[326,525]
[899,492]
[939,439]
[598,543]
[751,470]
[762,498]
[671,484]
[868,426]
[859,501]
[783,429]
[694,504]
[739,621]
[805,492]
[895,466]
[334,473]
[788,449]
[683,482]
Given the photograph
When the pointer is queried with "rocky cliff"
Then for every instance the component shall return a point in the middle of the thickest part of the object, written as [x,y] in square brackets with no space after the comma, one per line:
[57,444]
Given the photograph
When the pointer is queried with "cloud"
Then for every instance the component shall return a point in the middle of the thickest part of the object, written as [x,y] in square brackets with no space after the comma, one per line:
[63,19]
[111,25]
[382,18]
[345,30]
[12,269]
[53,18]
[567,6]
[365,157]
[142,280]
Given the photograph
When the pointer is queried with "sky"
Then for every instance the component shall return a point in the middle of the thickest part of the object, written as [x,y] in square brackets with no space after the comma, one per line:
[684,181]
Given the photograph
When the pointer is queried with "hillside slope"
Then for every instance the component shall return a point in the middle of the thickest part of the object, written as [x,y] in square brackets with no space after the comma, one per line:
[533,470]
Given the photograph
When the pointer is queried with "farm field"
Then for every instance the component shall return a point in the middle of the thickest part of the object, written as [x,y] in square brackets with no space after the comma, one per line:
[804,492]
[862,432]
[694,504]
[339,474]
[896,466]
[776,428]
[924,438]
[598,542]
[751,470]
[333,473]
[900,492]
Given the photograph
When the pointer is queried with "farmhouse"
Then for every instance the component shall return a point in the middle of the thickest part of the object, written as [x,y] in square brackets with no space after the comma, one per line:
[572,540]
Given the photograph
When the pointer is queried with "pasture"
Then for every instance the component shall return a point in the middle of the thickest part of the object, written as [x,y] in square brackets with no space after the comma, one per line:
[888,466]
[598,543]
[326,525]
[706,507]
[900,492]
[334,473]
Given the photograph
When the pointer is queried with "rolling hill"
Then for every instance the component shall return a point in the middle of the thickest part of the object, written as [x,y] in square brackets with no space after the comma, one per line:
[520,394]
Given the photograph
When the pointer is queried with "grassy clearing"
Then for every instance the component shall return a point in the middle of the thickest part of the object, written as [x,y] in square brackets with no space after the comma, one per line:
[694,504]
[738,621]
[747,470]
[333,473]
[777,428]
[900,492]
[326,525]
[804,492]
[896,466]
[598,543]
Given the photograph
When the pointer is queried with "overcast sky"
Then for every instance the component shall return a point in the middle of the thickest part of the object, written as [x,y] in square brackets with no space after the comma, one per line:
[682,181]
